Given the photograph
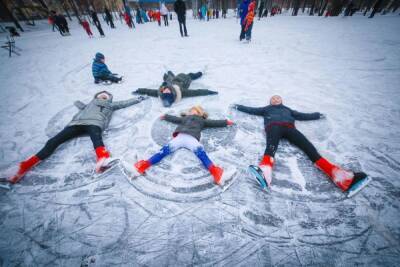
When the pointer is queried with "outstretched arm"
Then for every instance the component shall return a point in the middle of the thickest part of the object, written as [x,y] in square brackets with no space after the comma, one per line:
[126,103]
[216,123]
[250,110]
[305,116]
[171,118]
[197,92]
[145,91]
[79,104]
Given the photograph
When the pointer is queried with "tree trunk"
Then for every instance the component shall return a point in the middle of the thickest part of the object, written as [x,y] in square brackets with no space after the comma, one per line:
[337,7]
[376,8]
[304,6]
[75,9]
[312,8]
[10,14]
[43,4]
[64,6]
[322,7]
[296,6]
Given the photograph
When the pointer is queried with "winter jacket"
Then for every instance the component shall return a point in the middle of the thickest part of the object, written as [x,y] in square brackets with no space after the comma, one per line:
[244,6]
[99,69]
[250,16]
[278,114]
[164,9]
[193,125]
[179,86]
[98,112]
[180,7]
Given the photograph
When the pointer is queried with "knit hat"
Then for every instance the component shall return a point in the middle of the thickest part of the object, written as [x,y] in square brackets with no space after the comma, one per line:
[99,56]
[167,99]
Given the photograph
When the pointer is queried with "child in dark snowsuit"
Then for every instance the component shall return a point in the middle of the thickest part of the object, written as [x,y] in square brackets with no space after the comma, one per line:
[187,135]
[101,72]
[279,123]
[92,119]
[174,88]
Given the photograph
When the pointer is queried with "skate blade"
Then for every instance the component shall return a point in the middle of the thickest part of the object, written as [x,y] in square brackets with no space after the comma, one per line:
[358,187]
[227,178]
[255,171]
[5,184]
[107,167]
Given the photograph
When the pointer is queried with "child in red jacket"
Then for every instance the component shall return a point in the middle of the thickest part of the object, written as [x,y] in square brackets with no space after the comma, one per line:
[86,26]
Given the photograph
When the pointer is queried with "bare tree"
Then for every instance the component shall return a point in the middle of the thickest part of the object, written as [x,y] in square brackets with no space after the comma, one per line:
[4,6]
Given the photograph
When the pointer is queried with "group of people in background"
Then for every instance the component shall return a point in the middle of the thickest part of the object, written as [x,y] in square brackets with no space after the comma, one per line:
[205,13]
[59,22]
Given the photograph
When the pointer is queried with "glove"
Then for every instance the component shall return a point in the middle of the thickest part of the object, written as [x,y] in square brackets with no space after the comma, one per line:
[229,122]
[233,106]
[322,116]
[142,97]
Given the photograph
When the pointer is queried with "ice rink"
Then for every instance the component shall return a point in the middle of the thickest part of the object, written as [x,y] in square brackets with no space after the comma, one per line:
[62,214]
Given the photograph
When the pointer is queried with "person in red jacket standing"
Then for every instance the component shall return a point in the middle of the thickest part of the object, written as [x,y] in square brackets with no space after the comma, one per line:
[86,26]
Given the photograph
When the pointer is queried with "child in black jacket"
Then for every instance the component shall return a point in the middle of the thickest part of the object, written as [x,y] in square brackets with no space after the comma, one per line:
[187,135]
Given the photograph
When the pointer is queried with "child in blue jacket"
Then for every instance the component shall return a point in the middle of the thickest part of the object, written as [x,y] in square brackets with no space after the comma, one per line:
[100,71]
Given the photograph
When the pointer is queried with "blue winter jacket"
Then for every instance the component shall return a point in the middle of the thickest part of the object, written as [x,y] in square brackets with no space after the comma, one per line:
[100,69]
[243,9]
[278,113]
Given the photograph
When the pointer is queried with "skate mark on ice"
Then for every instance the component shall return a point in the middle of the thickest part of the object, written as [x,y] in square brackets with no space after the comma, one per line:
[166,181]
[308,239]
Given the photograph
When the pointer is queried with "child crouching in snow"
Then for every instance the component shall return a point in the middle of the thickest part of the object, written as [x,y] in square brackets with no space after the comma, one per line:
[187,135]
[101,72]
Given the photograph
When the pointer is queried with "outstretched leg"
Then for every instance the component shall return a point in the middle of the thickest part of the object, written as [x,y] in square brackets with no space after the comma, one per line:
[195,76]
[340,177]
[176,143]
[51,145]
[274,134]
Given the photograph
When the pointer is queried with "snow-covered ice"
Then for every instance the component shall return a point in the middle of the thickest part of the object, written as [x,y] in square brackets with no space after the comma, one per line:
[63,215]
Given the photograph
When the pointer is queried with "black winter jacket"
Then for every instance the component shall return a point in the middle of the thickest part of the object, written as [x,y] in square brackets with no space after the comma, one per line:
[179,85]
[278,113]
[193,125]
[180,7]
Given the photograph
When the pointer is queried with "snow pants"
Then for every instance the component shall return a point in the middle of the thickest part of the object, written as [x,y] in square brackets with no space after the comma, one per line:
[242,33]
[248,32]
[182,23]
[110,77]
[182,140]
[68,133]
[276,132]
[165,18]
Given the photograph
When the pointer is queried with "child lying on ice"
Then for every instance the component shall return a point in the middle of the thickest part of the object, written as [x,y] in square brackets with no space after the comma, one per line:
[174,88]
[187,135]
[279,123]
[100,71]
[91,120]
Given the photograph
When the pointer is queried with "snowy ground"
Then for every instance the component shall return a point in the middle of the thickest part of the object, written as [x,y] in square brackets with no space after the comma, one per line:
[346,68]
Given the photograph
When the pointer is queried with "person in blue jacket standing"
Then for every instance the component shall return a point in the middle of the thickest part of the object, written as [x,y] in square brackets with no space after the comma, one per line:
[100,71]
[243,9]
